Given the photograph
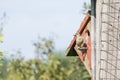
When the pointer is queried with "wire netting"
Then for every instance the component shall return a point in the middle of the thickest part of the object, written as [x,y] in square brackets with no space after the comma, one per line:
[110,40]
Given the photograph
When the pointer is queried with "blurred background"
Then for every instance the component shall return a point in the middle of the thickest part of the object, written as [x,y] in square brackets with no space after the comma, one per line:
[34,35]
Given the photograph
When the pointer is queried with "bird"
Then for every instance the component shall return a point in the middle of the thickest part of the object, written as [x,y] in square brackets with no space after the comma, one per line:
[79,40]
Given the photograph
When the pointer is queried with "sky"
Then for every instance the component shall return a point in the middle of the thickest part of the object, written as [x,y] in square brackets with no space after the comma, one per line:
[27,19]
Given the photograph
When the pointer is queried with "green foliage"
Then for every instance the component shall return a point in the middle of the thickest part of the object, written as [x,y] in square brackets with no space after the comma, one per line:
[43,47]
[1,51]
[1,58]
[54,67]
[57,67]
[2,22]
[79,72]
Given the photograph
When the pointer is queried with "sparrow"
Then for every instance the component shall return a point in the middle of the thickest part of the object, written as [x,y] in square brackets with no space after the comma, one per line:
[79,40]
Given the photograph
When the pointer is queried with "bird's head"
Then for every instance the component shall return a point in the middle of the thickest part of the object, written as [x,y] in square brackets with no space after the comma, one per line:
[77,34]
